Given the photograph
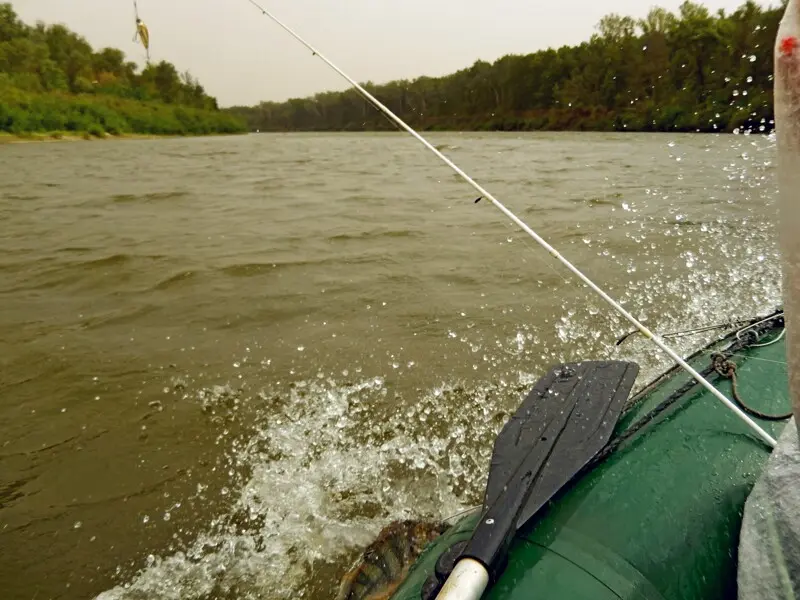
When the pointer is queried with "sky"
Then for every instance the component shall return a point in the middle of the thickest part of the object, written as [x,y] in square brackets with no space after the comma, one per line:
[242,57]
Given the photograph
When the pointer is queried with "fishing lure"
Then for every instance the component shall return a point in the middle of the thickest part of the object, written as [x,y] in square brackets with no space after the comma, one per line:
[142,33]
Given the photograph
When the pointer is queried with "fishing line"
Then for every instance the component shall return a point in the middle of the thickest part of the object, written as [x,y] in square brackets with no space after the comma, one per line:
[536,237]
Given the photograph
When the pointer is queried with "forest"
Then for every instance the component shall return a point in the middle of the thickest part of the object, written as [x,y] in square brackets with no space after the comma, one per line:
[52,80]
[694,71]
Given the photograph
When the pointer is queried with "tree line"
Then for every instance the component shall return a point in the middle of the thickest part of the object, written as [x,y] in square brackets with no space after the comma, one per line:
[51,79]
[690,71]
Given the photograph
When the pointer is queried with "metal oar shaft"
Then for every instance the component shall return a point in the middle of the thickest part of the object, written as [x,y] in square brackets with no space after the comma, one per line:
[539,240]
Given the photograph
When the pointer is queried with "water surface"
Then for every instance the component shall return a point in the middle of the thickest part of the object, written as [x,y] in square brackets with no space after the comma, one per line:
[226,363]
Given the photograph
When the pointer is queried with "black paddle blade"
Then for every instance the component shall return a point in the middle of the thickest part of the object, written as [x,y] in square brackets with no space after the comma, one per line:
[601,395]
[563,423]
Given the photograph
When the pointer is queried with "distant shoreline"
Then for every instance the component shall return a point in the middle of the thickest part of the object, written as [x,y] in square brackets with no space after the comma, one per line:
[76,136]
[429,132]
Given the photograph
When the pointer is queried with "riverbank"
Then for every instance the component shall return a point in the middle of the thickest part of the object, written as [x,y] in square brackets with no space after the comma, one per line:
[77,136]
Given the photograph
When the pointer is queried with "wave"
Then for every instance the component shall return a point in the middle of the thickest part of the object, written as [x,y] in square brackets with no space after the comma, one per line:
[22,197]
[607,200]
[149,197]
[459,279]
[76,249]
[278,266]
[115,260]
[374,235]
[256,269]
[178,279]
[117,317]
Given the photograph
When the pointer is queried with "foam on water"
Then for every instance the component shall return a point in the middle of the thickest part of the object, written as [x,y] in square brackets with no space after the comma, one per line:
[322,482]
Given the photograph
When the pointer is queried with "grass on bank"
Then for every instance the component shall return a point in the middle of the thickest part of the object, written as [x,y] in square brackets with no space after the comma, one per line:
[87,115]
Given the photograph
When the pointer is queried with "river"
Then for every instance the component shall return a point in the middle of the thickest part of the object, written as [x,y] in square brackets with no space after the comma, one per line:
[226,363]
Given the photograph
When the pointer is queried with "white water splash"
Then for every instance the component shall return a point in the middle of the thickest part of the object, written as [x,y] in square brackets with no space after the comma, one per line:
[322,484]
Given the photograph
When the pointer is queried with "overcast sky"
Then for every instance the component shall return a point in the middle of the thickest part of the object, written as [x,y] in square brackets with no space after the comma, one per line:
[241,57]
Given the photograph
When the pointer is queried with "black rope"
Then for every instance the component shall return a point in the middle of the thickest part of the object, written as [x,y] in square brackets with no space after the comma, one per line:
[725,367]
[739,344]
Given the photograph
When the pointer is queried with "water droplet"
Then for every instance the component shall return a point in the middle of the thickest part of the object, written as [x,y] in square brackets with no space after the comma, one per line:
[145,519]
[77,525]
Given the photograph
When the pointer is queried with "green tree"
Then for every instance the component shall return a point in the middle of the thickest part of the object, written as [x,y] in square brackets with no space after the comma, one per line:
[52,79]
[690,71]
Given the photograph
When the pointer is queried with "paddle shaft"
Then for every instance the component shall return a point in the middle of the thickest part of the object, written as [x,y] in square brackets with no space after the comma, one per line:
[467,581]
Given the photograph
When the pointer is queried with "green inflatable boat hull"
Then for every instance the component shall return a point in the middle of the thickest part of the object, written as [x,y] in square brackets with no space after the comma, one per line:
[658,517]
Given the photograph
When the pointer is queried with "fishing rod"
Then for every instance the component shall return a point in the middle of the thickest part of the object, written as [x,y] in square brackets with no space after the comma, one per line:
[766,437]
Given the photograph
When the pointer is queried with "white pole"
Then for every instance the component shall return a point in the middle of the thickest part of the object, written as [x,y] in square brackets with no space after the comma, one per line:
[553,252]
[467,581]
[787,127]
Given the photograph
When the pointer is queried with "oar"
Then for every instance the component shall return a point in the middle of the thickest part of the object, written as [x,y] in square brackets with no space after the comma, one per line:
[568,417]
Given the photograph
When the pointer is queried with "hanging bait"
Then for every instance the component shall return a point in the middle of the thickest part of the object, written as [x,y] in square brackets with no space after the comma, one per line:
[142,34]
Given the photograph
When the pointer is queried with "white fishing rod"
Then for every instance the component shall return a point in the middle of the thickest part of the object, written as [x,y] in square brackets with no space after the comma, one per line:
[536,237]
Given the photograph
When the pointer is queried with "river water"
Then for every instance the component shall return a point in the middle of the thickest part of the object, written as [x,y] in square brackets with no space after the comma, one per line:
[227,363]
